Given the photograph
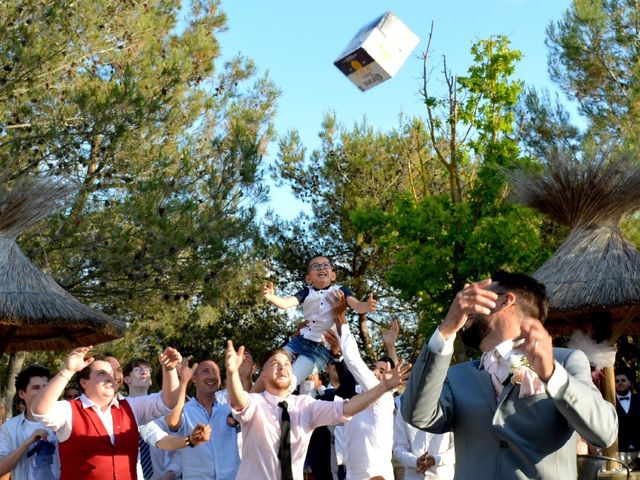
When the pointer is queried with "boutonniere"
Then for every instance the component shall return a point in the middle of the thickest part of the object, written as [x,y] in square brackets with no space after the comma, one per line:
[519,365]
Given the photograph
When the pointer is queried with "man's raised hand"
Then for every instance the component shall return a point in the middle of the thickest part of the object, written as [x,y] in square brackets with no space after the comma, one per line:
[473,298]
[233,358]
[394,377]
[390,335]
[170,358]
[76,360]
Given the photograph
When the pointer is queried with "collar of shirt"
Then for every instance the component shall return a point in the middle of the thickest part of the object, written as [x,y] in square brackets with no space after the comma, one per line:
[275,400]
[320,289]
[87,402]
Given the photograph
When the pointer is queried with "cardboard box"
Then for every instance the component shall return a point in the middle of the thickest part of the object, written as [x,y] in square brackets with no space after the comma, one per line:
[377,51]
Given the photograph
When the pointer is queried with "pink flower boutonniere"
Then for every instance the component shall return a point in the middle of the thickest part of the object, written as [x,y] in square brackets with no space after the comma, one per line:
[523,375]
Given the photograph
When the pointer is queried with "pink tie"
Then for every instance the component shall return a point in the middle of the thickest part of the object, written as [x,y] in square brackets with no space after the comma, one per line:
[490,364]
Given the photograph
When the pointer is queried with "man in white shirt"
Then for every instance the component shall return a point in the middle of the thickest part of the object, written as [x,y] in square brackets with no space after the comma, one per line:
[87,427]
[27,449]
[368,437]
[158,460]
[424,455]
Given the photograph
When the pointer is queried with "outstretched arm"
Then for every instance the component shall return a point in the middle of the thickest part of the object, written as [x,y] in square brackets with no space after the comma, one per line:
[75,362]
[186,373]
[391,379]
[390,337]
[238,398]
[170,359]
[268,292]
[363,307]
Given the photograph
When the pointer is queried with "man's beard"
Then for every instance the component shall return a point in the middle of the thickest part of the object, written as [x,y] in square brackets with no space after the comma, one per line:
[473,334]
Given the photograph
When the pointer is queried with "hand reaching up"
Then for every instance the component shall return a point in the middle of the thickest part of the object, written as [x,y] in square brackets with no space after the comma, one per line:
[390,335]
[233,358]
[394,377]
[76,360]
[170,358]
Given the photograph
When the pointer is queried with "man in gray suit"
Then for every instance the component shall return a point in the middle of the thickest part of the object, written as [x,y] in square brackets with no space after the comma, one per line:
[516,413]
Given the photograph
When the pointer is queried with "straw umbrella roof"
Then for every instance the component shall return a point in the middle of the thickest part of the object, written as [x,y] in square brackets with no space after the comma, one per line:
[596,270]
[35,312]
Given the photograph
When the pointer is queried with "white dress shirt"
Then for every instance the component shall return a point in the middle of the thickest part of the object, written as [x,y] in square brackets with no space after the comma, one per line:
[368,437]
[410,443]
[625,403]
[145,409]
[555,386]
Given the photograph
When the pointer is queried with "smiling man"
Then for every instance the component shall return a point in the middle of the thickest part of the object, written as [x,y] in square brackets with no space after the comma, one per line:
[277,426]
[218,458]
[98,433]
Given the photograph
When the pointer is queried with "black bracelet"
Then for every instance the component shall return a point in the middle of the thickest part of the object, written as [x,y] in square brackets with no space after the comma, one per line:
[188,442]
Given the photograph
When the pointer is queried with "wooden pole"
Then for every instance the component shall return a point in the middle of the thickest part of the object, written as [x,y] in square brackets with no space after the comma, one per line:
[610,395]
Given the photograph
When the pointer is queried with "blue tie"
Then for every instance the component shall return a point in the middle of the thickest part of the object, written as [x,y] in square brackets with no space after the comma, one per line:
[145,460]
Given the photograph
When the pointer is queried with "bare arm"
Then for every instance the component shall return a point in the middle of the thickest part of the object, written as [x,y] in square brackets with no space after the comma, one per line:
[238,398]
[363,307]
[390,337]
[200,434]
[75,362]
[169,359]
[268,292]
[175,415]
[390,380]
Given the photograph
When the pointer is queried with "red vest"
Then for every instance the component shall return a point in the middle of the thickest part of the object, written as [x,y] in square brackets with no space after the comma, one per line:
[88,454]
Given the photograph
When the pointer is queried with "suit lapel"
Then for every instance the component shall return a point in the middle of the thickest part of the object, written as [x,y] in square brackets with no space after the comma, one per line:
[483,379]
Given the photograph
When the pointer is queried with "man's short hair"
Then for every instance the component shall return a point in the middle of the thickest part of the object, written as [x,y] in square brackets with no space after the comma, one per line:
[136,362]
[387,359]
[627,372]
[531,294]
[25,376]
[273,352]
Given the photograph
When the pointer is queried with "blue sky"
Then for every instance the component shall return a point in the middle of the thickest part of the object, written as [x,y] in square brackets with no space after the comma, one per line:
[297,43]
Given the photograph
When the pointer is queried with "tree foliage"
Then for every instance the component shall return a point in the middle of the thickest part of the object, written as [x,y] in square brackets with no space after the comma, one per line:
[445,239]
[130,100]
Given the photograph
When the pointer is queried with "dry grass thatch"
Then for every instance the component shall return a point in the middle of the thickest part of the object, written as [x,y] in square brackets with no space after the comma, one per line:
[35,312]
[595,269]
[598,190]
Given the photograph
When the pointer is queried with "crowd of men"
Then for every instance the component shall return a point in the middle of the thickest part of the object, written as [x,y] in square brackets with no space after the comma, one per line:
[515,413]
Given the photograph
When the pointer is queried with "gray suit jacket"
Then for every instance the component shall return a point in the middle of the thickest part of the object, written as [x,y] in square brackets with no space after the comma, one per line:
[511,438]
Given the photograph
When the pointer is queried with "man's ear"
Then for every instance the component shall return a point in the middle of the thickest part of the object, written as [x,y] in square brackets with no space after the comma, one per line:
[307,279]
[127,379]
[21,394]
[509,298]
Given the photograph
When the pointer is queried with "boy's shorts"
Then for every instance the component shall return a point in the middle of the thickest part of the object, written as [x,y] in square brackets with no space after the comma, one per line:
[314,351]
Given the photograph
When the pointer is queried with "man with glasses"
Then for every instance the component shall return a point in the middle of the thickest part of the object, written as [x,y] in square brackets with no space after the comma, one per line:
[516,413]
[310,346]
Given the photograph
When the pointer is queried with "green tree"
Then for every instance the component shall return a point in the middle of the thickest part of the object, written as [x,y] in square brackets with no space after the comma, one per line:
[166,146]
[352,169]
[594,58]
[446,239]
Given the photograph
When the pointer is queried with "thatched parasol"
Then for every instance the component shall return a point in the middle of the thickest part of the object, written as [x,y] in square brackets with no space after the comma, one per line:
[593,279]
[35,312]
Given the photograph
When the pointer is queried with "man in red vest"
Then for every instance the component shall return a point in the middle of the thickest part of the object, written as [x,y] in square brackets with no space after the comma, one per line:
[98,433]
